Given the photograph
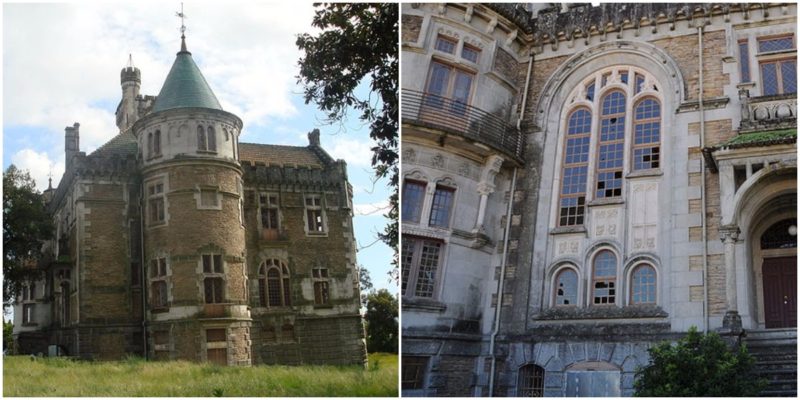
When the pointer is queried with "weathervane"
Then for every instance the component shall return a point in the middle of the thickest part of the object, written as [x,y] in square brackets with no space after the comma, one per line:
[183,16]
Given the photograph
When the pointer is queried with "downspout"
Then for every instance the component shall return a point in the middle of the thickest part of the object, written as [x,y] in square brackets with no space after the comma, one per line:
[501,283]
[703,178]
[142,271]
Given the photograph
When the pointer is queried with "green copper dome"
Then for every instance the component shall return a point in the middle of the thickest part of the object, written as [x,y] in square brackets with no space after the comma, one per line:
[185,86]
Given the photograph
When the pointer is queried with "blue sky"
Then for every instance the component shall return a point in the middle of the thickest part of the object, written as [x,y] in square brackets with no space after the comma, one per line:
[61,64]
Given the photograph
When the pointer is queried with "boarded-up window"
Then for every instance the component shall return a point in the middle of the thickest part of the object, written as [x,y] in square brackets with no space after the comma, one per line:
[414,369]
[215,335]
[287,333]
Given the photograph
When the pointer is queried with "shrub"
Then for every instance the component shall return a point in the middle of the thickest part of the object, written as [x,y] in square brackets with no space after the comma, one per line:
[699,365]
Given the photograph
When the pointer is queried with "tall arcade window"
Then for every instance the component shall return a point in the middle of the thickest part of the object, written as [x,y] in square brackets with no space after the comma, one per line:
[611,146]
[646,134]
[614,124]
[413,198]
[604,278]
[441,207]
[576,161]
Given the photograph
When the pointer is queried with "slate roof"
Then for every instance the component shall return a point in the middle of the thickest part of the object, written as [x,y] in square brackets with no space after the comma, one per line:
[278,154]
[185,87]
[123,144]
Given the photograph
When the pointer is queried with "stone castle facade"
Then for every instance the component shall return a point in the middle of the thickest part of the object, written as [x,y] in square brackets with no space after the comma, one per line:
[582,182]
[176,241]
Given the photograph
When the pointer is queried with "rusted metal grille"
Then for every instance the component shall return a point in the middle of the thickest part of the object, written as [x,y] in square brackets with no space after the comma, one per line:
[531,381]
[465,120]
[215,335]
[414,372]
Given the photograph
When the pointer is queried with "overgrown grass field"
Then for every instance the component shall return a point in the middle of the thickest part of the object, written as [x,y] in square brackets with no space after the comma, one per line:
[23,377]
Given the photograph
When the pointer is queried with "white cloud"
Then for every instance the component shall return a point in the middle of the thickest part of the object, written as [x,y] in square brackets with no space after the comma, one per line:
[355,152]
[245,50]
[39,165]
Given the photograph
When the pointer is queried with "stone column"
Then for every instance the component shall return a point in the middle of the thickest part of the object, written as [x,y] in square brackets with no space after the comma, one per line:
[729,235]
[486,187]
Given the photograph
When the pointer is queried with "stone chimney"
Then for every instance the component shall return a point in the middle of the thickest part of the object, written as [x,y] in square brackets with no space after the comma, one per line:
[71,143]
[313,138]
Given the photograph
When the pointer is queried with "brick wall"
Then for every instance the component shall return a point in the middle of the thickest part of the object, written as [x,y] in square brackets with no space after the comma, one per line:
[506,65]
[459,376]
[327,340]
[684,49]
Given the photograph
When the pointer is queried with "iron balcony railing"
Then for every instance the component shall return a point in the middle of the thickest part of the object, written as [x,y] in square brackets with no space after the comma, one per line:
[462,119]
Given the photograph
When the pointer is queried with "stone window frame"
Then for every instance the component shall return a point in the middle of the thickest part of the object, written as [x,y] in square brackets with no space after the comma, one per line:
[530,380]
[207,190]
[459,42]
[157,198]
[154,144]
[419,207]
[443,186]
[217,271]
[321,280]
[155,276]
[318,205]
[577,99]
[777,57]
[556,273]
[265,203]
[284,283]
[28,302]
[206,139]
[446,101]
[631,284]
[745,74]
[580,207]
[410,268]
[414,371]
[63,296]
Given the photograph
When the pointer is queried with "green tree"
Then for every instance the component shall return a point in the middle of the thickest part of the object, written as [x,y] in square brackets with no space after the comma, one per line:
[358,41]
[26,226]
[365,282]
[8,339]
[381,321]
[698,365]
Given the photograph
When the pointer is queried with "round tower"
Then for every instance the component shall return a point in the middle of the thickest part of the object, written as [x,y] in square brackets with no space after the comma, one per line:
[194,243]
[131,81]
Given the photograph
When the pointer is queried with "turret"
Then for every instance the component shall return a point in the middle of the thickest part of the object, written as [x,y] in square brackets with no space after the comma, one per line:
[131,81]
[71,143]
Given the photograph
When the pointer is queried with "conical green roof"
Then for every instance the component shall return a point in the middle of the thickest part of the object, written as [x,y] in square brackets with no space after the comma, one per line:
[185,86]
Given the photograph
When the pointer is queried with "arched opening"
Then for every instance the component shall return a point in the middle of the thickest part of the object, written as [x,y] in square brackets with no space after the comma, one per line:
[530,381]
[777,248]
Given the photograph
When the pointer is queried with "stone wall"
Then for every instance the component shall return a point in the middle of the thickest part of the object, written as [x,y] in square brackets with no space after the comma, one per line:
[307,340]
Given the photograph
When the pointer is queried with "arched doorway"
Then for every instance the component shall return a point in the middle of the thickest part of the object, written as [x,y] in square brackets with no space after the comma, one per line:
[776,251]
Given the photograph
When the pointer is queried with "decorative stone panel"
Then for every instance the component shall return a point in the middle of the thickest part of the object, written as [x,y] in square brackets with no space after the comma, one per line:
[644,216]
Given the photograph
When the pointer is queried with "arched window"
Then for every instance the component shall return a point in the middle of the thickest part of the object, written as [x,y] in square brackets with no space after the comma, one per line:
[273,284]
[157,143]
[566,287]
[611,146]
[643,285]
[574,171]
[201,139]
[212,139]
[530,382]
[781,235]
[604,278]
[646,134]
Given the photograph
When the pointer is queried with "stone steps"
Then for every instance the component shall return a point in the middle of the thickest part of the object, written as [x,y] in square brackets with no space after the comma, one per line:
[775,352]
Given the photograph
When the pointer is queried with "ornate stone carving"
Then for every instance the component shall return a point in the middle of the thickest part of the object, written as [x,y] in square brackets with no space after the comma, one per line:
[437,161]
[409,155]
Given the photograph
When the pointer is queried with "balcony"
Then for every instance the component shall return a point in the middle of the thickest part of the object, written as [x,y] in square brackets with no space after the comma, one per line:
[456,118]
[273,235]
[766,113]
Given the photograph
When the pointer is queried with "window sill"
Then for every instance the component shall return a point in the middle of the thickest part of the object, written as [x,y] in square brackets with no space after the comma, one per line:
[776,52]
[423,305]
[30,324]
[158,224]
[602,312]
[644,172]
[561,230]
[606,201]
[207,152]
[317,234]
[159,310]
[323,306]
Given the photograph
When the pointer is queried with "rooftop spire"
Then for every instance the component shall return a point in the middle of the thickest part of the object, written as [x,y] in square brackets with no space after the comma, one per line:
[130,60]
[183,29]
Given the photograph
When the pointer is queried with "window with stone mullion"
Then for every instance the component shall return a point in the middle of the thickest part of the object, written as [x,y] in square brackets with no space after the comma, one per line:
[413,198]
[611,146]
[575,168]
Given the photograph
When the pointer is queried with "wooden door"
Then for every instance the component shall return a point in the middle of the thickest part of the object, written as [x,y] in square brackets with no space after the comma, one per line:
[780,292]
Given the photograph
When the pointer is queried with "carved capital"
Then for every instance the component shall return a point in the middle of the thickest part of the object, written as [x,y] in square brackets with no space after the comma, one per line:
[485,188]
[729,234]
